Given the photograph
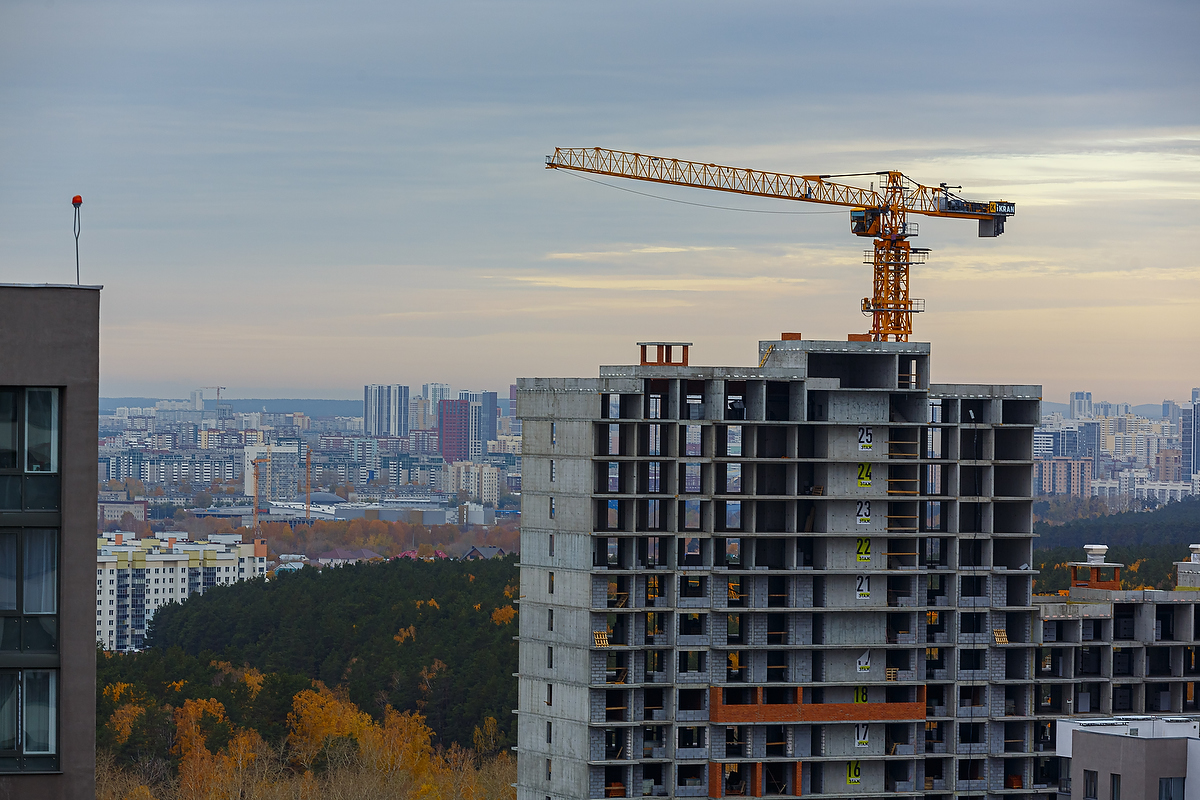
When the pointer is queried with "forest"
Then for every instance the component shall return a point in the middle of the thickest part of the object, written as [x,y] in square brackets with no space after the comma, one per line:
[391,679]
[1173,523]
[1147,542]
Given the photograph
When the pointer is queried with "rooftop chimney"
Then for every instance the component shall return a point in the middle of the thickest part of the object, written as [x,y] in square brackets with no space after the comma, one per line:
[1096,553]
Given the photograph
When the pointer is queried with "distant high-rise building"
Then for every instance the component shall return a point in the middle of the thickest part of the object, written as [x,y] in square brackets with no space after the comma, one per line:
[1081,405]
[1107,409]
[1170,411]
[279,471]
[1168,465]
[1196,395]
[421,415]
[489,413]
[454,430]
[1190,438]
[482,420]
[385,410]
[1063,476]
[435,393]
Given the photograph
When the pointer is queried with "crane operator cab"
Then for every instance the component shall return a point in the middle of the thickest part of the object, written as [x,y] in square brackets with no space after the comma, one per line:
[864,221]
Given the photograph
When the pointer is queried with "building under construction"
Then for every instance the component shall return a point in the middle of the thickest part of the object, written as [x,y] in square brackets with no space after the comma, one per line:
[811,575]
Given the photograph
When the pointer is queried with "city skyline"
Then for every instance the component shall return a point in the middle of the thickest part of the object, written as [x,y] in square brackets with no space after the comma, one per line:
[361,192]
[348,395]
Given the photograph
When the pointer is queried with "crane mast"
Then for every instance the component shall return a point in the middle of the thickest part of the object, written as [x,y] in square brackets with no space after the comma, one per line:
[881,214]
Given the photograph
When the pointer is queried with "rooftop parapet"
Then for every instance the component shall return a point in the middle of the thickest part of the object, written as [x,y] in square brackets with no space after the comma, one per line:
[1188,572]
[1093,595]
[1060,610]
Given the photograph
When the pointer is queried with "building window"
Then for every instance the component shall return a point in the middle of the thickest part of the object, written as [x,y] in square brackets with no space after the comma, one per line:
[1090,781]
[549,732]
[549,694]
[1168,788]
[553,433]
[551,508]
[971,659]
[28,719]
[552,545]
[548,769]
[1114,781]
[549,658]
[29,586]
[549,619]
[550,584]
[41,430]
[552,473]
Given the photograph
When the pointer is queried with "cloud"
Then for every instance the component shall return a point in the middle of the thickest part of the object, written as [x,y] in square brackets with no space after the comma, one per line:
[301,193]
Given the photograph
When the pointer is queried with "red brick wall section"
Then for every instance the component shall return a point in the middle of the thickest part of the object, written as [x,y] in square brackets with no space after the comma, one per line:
[823,712]
[758,712]
[867,712]
[716,780]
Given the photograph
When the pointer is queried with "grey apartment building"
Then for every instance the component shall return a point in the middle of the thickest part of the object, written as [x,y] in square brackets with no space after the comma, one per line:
[811,575]
[49,379]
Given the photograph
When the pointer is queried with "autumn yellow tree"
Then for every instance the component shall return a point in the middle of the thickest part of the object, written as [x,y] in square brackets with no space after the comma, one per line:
[486,739]
[129,708]
[197,766]
[317,716]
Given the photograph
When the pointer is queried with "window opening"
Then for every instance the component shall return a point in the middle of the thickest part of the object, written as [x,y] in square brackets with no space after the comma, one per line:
[733,478]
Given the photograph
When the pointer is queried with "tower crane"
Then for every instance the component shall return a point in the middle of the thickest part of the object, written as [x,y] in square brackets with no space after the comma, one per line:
[218,388]
[881,214]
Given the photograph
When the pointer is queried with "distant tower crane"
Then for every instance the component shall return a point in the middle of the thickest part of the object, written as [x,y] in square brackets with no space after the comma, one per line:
[218,388]
[878,213]
[256,463]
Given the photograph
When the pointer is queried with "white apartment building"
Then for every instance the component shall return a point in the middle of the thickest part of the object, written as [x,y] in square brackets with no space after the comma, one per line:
[478,480]
[135,579]
[1139,484]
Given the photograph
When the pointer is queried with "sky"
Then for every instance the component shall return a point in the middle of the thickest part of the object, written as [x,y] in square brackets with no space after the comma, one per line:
[293,199]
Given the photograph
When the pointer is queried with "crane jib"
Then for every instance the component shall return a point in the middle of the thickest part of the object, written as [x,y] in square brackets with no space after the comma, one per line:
[896,192]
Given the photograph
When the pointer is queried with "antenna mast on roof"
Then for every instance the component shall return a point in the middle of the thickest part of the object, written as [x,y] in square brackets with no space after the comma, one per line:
[77,201]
